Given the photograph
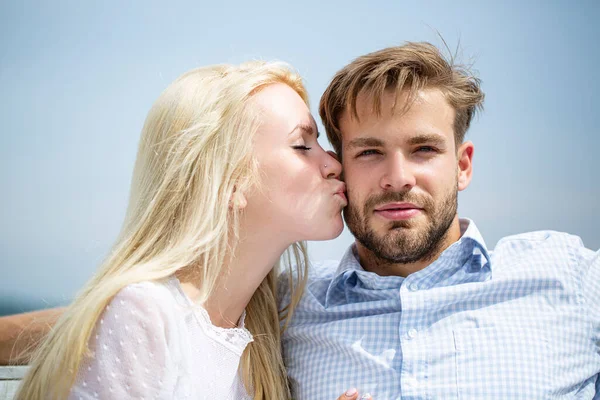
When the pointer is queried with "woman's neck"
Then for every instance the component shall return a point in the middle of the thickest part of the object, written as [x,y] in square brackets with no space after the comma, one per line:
[252,260]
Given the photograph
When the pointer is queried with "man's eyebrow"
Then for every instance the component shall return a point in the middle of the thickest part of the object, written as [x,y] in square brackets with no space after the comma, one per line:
[364,142]
[306,128]
[432,138]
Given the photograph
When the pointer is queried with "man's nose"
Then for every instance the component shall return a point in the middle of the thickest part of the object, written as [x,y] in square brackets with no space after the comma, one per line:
[398,174]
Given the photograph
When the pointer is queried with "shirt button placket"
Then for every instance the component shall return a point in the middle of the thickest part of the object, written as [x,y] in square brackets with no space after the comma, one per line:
[409,338]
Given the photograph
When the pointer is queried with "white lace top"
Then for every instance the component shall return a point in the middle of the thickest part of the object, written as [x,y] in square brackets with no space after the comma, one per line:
[151,342]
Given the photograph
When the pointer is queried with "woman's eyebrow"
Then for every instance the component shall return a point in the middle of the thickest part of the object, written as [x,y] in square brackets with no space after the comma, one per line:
[306,128]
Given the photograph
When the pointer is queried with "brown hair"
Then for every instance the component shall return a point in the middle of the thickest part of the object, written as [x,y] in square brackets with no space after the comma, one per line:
[411,67]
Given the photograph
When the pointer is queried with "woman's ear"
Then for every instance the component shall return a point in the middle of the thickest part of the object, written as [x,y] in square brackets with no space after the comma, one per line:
[237,200]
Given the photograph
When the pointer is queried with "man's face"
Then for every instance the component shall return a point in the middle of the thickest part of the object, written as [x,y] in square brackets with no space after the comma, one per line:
[403,172]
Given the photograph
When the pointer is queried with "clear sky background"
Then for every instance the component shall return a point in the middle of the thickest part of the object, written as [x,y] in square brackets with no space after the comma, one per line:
[77,79]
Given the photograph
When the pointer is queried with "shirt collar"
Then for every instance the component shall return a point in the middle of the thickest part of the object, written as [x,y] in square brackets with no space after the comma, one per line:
[469,252]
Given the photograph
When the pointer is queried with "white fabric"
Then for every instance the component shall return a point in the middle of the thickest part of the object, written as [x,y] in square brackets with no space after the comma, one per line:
[151,342]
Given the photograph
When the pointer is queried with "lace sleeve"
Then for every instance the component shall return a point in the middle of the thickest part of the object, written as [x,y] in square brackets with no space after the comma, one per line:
[130,355]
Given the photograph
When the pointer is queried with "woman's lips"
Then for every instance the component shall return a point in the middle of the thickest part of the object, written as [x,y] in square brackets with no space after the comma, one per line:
[341,191]
[343,196]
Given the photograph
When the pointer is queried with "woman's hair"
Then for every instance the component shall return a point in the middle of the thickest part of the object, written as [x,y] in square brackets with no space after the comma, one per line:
[196,148]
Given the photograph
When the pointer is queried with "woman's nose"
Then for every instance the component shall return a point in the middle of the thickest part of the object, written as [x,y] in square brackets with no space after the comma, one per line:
[331,166]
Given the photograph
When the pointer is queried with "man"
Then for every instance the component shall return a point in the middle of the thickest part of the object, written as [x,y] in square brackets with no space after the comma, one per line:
[418,307]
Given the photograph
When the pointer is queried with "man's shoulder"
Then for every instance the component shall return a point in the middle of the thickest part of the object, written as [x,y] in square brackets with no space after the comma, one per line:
[534,239]
[562,249]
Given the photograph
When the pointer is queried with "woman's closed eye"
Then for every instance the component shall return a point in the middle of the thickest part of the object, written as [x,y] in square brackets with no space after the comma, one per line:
[301,147]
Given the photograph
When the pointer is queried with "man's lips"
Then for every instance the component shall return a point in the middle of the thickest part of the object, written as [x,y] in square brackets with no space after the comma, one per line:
[398,211]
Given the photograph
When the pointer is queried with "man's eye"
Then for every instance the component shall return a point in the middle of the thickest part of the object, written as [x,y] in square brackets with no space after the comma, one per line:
[301,147]
[426,149]
[367,153]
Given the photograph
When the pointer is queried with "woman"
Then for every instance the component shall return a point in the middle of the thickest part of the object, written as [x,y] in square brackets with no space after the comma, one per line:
[229,174]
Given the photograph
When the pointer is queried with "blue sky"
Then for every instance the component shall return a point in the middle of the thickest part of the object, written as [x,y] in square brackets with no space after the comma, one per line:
[77,80]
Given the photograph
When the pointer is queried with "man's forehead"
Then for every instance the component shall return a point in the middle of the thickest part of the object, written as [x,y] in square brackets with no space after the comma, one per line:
[426,115]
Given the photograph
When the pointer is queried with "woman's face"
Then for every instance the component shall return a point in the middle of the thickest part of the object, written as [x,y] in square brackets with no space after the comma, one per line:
[300,195]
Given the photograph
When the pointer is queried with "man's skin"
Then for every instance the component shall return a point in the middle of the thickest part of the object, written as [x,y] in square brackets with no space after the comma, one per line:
[19,334]
[403,172]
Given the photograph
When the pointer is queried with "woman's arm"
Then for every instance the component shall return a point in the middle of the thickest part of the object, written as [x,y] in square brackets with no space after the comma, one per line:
[20,333]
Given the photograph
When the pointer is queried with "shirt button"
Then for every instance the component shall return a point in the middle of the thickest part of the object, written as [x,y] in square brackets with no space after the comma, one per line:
[412,333]
[413,287]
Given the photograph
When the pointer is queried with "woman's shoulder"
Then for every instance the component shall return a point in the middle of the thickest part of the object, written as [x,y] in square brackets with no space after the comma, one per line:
[142,301]
[146,290]
[134,340]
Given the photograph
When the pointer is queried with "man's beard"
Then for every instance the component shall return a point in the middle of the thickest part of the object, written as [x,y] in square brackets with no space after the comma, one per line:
[404,242]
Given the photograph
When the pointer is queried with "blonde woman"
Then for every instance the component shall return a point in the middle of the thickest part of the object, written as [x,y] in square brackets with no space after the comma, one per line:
[228,176]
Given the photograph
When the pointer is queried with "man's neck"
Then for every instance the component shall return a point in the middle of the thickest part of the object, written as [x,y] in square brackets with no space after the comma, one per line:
[372,263]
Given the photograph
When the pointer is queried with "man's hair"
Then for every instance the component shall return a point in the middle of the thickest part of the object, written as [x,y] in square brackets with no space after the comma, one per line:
[411,68]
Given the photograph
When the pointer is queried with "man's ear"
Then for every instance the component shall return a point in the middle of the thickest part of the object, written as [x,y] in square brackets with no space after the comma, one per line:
[237,200]
[465,164]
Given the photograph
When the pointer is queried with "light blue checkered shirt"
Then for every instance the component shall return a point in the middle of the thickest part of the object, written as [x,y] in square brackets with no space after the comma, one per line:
[522,322]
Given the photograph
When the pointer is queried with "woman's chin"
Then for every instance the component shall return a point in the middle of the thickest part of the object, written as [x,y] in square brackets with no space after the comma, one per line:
[334,229]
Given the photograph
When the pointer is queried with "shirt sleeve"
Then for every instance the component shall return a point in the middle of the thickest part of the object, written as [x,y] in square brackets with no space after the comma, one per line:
[591,294]
[591,291]
[130,353]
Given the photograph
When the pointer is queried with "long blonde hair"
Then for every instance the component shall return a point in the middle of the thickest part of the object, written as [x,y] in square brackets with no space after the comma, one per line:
[196,148]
